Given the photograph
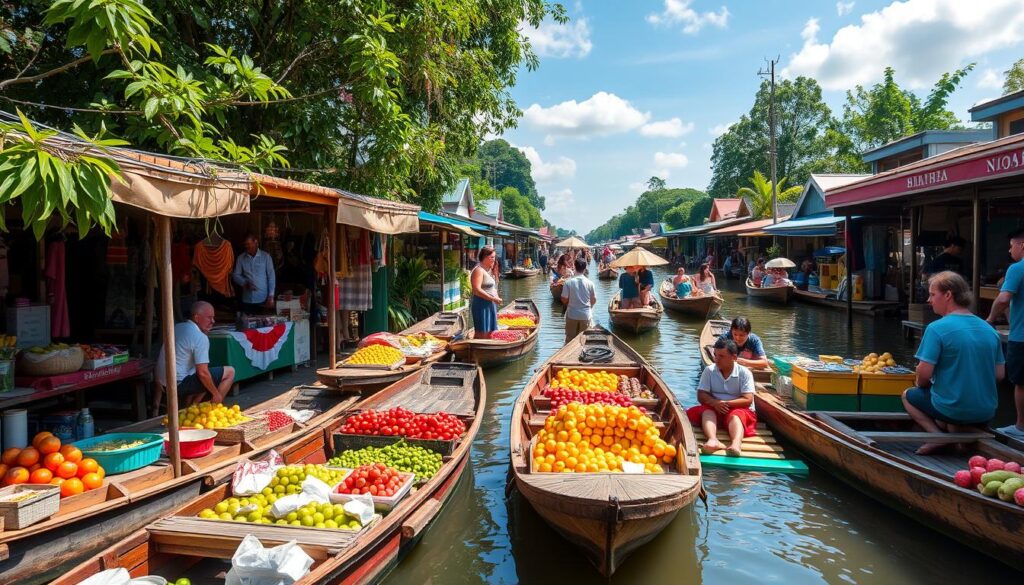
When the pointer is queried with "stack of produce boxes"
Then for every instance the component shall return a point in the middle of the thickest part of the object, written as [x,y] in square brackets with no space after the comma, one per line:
[882,383]
[825,385]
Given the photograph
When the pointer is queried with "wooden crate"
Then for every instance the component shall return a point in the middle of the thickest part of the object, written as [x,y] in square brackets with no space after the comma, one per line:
[825,382]
[886,384]
[840,402]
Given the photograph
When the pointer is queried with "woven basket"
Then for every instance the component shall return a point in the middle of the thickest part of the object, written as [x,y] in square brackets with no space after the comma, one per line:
[55,363]
[18,515]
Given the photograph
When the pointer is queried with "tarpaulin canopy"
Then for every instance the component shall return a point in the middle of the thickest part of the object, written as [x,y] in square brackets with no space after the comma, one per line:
[461,226]
[377,215]
[175,195]
[821,224]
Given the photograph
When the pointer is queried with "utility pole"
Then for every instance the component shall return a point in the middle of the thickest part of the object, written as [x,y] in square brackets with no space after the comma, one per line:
[771,134]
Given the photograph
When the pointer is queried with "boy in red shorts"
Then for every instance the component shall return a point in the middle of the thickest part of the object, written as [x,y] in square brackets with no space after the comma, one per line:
[725,393]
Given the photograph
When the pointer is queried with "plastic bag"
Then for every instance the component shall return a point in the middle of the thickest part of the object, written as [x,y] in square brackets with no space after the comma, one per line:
[120,576]
[313,490]
[252,564]
[252,476]
[299,416]
[360,506]
[383,338]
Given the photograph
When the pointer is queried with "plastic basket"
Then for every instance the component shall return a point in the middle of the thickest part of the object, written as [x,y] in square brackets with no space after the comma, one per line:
[18,515]
[124,460]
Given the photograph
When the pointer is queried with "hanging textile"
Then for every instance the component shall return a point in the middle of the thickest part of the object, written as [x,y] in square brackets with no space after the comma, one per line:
[263,346]
[365,256]
[378,252]
[322,262]
[356,291]
[60,322]
[181,262]
[343,248]
[216,263]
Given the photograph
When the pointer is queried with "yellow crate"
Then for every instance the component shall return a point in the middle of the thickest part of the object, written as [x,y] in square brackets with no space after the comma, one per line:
[886,384]
[825,382]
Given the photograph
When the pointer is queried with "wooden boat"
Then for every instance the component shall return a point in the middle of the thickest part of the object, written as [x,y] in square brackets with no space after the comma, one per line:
[635,320]
[447,325]
[492,352]
[183,545]
[607,273]
[778,294]
[556,290]
[608,515]
[99,518]
[824,300]
[874,452]
[703,306]
[714,329]
[522,272]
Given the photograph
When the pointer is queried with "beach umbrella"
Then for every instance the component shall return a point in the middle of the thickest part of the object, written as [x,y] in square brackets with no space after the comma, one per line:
[780,263]
[830,251]
[638,257]
[571,242]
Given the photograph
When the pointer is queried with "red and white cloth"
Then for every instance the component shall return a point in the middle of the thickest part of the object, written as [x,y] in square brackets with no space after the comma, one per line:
[262,346]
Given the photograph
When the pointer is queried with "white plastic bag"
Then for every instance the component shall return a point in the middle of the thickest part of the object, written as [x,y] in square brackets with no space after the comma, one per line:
[117,576]
[299,416]
[313,490]
[252,476]
[252,564]
[360,506]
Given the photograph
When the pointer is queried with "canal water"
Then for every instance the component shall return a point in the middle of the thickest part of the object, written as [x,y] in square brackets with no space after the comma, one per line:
[755,528]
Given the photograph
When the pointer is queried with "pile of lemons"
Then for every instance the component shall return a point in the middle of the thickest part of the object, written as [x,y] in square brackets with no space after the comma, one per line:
[873,363]
[209,415]
[375,355]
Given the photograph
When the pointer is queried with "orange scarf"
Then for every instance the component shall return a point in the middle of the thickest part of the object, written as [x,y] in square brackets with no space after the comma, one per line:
[216,265]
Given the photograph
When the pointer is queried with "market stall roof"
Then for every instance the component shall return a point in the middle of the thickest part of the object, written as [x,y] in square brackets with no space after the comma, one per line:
[487,228]
[378,215]
[820,224]
[462,226]
[696,230]
[746,226]
[655,241]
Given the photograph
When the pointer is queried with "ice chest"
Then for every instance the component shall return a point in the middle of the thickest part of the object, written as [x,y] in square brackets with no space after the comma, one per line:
[811,382]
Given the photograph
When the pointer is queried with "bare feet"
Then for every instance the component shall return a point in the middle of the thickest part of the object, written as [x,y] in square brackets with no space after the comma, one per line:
[734,450]
[712,446]
[930,448]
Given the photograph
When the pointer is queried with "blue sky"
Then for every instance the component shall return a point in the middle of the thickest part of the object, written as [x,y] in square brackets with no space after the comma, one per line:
[627,90]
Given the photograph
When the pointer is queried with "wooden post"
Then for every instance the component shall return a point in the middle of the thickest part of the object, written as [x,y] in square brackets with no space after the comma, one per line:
[914,223]
[147,332]
[332,305]
[849,275]
[976,248]
[167,318]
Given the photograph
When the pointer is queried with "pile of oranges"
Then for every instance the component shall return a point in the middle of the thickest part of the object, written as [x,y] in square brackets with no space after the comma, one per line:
[47,461]
[593,438]
[584,381]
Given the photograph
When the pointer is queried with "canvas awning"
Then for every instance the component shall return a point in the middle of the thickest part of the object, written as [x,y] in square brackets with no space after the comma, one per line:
[749,226]
[820,224]
[377,215]
[460,226]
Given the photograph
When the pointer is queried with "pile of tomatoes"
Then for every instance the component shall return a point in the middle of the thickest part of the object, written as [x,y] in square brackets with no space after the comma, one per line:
[562,396]
[400,422]
[47,461]
[375,479]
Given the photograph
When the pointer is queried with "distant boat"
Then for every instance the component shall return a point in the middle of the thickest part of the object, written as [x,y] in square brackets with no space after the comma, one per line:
[635,320]
[778,294]
[703,306]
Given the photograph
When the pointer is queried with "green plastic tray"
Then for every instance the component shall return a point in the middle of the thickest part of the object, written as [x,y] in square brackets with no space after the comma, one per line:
[755,464]
[124,460]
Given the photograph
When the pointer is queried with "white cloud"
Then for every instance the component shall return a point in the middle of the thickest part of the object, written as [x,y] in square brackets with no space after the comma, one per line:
[673,128]
[600,115]
[664,162]
[553,39]
[561,168]
[903,35]
[718,129]
[559,201]
[844,8]
[680,12]
[991,79]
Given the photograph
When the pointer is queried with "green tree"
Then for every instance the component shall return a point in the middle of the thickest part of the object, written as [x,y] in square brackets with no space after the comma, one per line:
[503,166]
[759,193]
[804,144]
[651,207]
[1014,77]
[656,184]
[519,210]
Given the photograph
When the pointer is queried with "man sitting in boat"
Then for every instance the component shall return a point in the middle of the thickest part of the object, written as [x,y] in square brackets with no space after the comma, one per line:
[725,393]
[681,284]
[192,368]
[750,349]
[961,360]
[579,297]
[636,285]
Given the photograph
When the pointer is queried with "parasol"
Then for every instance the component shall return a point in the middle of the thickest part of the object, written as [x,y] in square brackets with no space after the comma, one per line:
[638,257]
[571,242]
[780,263]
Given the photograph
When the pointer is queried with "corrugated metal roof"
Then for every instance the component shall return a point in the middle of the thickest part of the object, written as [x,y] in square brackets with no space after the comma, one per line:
[455,195]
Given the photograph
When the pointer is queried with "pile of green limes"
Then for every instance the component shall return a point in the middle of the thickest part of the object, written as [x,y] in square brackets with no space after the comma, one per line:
[420,461]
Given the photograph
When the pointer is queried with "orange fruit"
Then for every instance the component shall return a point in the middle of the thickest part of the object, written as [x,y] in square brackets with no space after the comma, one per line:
[71,453]
[40,436]
[48,445]
[53,461]
[28,457]
[71,487]
[16,475]
[10,456]
[35,467]
[87,465]
[3,470]
[67,470]
[57,481]
[40,476]
[92,481]
[100,472]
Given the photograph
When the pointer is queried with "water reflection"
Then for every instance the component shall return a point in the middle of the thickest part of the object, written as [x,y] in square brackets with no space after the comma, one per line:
[755,528]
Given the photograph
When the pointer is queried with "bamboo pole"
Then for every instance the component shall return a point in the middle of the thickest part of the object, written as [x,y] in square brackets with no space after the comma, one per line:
[332,305]
[147,332]
[167,318]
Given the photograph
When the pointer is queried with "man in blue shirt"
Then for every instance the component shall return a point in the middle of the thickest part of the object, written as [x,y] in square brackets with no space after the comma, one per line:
[1011,298]
[630,298]
[579,297]
[254,272]
[751,350]
[961,360]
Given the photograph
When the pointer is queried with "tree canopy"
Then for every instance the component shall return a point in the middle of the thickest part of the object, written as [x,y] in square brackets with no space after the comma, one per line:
[759,193]
[1014,80]
[502,166]
[650,207]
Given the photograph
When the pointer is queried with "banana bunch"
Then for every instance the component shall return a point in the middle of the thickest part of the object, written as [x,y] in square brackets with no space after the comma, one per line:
[8,341]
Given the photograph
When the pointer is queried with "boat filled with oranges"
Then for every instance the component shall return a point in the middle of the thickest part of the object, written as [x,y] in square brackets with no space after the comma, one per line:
[603,451]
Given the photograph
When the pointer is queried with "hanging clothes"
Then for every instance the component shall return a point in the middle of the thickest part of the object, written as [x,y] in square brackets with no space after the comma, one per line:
[343,249]
[356,291]
[216,264]
[365,255]
[378,252]
[181,262]
[60,322]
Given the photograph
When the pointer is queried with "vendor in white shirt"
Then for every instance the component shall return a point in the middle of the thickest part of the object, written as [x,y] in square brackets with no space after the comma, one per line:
[192,361]
[725,392]
[254,272]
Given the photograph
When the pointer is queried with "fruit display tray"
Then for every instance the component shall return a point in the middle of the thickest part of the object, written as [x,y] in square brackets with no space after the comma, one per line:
[380,503]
